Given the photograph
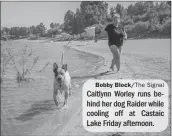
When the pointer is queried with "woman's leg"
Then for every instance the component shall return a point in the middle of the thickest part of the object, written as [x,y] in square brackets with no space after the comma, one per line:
[118,62]
[113,63]
[116,57]
[120,49]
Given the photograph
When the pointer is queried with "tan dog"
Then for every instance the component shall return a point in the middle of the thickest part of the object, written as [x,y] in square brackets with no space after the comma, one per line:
[62,82]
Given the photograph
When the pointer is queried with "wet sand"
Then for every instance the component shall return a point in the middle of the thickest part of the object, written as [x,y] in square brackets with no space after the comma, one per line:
[144,60]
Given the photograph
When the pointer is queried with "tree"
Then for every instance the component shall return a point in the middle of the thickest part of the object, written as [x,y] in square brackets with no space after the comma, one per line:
[68,21]
[130,30]
[40,29]
[163,10]
[54,25]
[94,12]
[165,29]
[139,8]
[15,31]
[120,10]
[61,27]
[112,12]
[78,24]
[128,21]
[141,27]
[136,9]
[32,30]
[148,5]
[23,31]
[5,30]
[169,3]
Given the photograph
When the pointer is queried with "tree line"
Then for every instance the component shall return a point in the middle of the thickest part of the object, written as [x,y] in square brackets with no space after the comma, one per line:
[149,19]
[140,20]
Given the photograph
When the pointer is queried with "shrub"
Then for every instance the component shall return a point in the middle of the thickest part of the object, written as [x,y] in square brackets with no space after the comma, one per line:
[141,27]
[128,21]
[129,28]
[166,27]
[23,61]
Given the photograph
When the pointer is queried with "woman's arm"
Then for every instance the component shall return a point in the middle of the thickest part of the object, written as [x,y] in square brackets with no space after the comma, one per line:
[125,35]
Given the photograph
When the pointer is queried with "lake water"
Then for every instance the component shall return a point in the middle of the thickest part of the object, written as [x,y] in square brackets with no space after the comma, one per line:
[27,105]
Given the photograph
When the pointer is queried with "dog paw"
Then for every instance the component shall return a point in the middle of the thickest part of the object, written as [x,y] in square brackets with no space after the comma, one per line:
[57,104]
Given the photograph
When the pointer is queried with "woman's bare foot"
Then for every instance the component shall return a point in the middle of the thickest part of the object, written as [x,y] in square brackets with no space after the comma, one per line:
[112,68]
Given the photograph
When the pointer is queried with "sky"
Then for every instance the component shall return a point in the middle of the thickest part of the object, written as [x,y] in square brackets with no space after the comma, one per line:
[25,14]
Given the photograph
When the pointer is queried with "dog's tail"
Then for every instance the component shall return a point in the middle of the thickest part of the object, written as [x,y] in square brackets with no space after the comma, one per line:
[62,59]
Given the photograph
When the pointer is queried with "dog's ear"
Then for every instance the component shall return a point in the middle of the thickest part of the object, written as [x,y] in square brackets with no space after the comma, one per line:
[55,68]
[64,67]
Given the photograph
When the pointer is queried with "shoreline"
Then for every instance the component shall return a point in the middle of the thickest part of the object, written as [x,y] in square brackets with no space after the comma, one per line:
[89,53]
[50,122]
[74,126]
[76,121]
[106,38]
[51,127]
[130,68]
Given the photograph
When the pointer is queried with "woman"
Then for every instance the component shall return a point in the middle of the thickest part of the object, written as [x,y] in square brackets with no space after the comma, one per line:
[116,35]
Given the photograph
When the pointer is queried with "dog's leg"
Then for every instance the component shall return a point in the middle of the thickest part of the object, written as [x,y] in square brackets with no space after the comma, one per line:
[54,97]
[70,89]
[66,97]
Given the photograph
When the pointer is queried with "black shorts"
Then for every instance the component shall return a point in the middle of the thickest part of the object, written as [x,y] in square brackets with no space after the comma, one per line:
[115,45]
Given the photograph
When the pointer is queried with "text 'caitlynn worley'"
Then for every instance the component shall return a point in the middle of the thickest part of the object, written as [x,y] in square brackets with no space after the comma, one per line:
[109,94]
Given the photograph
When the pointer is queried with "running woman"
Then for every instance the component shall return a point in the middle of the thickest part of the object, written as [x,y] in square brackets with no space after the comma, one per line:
[116,36]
